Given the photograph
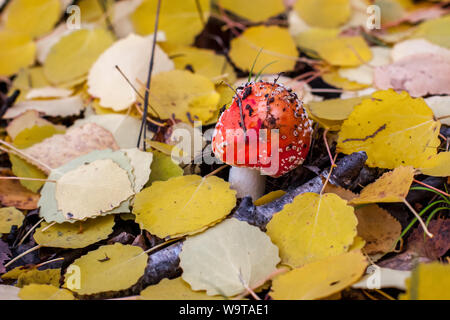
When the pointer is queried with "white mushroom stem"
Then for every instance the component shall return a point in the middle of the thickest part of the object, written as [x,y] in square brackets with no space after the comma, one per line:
[247,182]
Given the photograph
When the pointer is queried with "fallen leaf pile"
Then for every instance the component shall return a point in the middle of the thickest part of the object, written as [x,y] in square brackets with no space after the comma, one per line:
[97,202]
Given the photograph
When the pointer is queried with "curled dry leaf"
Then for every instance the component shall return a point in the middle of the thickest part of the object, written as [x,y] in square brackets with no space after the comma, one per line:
[61,148]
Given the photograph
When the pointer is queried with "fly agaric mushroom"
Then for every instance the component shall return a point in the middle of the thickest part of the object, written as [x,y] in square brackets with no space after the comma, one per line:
[265,131]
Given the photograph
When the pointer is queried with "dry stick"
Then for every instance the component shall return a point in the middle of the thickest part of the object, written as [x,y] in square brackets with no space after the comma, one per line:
[23,154]
[384,294]
[328,176]
[432,188]
[29,231]
[369,295]
[159,124]
[149,80]
[47,262]
[216,171]
[328,148]
[261,282]
[425,229]
[134,88]
[23,254]
[49,226]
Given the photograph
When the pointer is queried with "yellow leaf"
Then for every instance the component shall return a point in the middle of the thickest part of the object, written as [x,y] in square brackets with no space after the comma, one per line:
[333,78]
[21,168]
[428,282]
[193,204]
[109,268]
[345,51]
[334,109]
[190,97]
[277,46]
[393,129]
[35,276]
[255,10]
[175,289]
[393,186]
[324,13]
[73,55]
[9,217]
[437,166]
[17,52]
[32,17]
[24,139]
[163,168]
[378,228]
[435,30]
[99,187]
[27,120]
[271,196]
[30,136]
[75,235]
[92,11]
[310,39]
[313,227]
[179,19]
[228,258]
[27,79]
[320,279]
[44,292]
[201,61]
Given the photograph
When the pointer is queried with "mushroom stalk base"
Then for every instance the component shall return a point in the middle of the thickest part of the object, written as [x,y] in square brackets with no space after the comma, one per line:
[247,182]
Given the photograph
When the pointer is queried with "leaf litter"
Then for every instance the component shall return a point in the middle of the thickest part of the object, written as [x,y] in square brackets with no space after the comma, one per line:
[379,99]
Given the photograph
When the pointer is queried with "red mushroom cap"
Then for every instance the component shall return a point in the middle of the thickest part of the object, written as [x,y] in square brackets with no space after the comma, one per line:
[240,139]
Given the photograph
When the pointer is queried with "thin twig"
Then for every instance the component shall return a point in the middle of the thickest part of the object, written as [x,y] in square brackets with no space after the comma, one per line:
[26,156]
[29,231]
[149,78]
[23,254]
[49,226]
[47,262]
[432,188]
[216,171]
[425,229]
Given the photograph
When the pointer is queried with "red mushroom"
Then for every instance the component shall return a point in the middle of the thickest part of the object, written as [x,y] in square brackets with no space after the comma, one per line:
[265,129]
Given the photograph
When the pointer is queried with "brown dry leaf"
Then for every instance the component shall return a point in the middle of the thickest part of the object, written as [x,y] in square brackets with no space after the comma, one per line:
[432,248]
[419,74]
[393,186]
[13,194]
[378,228]
[341,192]
[61,148]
